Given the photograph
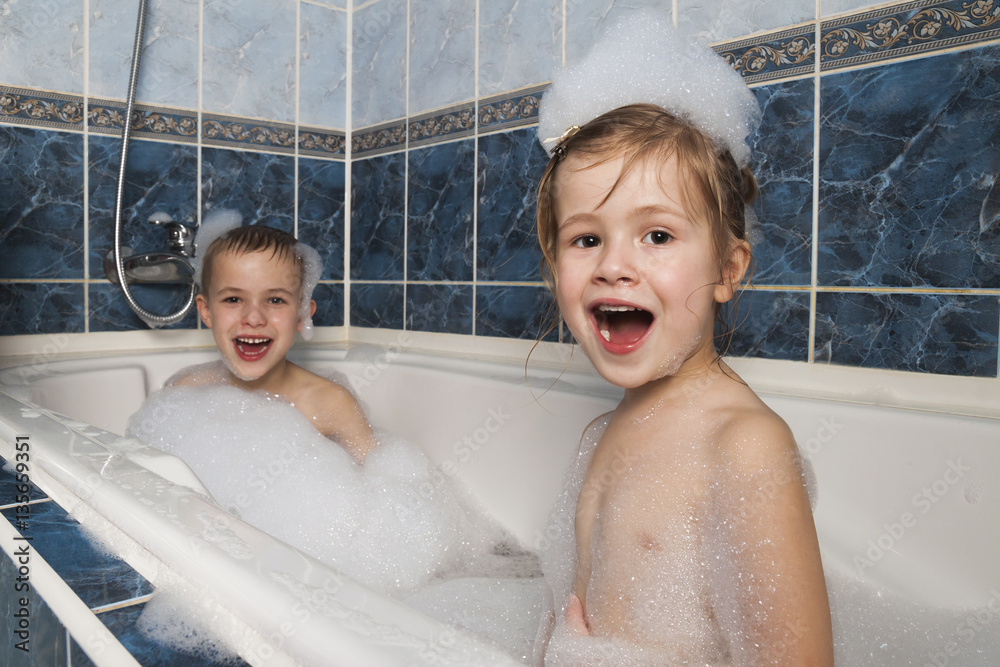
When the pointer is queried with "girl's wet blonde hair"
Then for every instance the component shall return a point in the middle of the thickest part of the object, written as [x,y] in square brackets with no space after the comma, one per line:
[715,190]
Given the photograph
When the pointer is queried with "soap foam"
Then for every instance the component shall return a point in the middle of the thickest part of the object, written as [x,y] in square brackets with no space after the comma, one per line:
[395,524]
[640,59]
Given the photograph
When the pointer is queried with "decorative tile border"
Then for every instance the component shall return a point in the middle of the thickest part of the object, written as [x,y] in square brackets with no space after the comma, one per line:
[107,117]
[379,139]
[907,29]
[322,143]
[228,132]
[42,109]
[779,55]
[510,110]
[442,125]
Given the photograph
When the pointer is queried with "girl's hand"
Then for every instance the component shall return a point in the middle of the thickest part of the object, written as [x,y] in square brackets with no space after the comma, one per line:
[575,619]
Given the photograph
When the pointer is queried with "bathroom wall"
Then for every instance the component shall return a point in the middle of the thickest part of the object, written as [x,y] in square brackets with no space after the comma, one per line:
[243,104]
[879,237]
[877,157]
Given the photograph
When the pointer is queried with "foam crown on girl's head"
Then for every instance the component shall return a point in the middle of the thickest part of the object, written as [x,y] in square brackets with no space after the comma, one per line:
[642,58]
[221,222]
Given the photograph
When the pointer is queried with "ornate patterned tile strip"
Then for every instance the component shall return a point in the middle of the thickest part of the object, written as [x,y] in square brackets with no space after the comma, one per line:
[322,143]
[379,139]
[41,109]
[510,110]
[107,117]
[779,55]
[907,29]
[442,125]
[229,132]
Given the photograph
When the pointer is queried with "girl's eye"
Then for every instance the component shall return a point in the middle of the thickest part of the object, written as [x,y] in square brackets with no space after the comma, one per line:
[586,241]
[657,237]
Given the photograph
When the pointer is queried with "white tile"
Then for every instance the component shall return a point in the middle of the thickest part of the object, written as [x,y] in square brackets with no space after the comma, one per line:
[520,42]
[442,53]
[41,44]
[379,63]
[322,66]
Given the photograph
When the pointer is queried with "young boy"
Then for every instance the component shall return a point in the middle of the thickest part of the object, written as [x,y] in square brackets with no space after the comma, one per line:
[252,287]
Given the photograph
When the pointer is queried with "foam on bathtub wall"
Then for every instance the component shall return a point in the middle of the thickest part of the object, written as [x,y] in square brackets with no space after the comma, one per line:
[101,580]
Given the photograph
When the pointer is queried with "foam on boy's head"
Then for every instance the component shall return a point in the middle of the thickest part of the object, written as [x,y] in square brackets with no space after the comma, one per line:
[221,231]
[642,59]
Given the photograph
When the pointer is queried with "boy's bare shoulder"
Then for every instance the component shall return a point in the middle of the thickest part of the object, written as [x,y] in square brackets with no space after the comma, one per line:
[318,388]
[198,375]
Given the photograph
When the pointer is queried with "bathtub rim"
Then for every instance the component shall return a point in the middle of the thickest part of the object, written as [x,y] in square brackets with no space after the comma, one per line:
[957,395]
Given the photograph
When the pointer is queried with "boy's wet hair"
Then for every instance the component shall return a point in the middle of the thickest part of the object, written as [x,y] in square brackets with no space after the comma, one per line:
[716,191]
[247,239]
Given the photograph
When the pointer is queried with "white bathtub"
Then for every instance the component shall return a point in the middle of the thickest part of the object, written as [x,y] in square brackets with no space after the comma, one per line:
[908,498]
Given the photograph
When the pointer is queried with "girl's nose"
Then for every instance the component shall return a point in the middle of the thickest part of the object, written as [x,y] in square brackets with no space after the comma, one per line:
[616,265]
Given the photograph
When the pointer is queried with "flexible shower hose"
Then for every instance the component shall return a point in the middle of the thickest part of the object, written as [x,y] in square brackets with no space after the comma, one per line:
[151,319]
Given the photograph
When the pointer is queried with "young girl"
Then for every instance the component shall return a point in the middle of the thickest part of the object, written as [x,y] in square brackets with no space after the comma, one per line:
[694,539]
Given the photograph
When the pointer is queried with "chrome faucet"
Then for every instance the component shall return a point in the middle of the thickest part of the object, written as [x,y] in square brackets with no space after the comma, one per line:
[171,266]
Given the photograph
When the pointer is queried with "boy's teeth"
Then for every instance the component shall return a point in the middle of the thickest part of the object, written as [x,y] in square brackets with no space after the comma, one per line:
[618,309]
[606,334]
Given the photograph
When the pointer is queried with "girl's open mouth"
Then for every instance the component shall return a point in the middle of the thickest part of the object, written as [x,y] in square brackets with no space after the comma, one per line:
[251,348]
[621,326]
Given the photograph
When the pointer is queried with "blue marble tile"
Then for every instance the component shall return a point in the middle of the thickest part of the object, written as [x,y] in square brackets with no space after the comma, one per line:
[783,164]
[714,20]
[769,325]
[442,54]
[378,91]
[159,177]
[441,195]
[321,212]
[46,642]
[96,577]
[248,61]
[439,308]
[907,194]
[515,311]
[41,210]
[110,312]
[510,166]
[147,651]
[12,490]
[587,19]
[38,308]
[169,71]
[329,298]
[261,186]
[930,333]
[322,66]
[377,211]
[520,43]
[378,305]
[42,45]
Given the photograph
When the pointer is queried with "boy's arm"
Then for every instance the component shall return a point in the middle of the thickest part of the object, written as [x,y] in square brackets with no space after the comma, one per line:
[342,419]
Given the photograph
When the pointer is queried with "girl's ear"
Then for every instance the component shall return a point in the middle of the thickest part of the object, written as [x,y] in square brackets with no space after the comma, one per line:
[206,314]
[733,270]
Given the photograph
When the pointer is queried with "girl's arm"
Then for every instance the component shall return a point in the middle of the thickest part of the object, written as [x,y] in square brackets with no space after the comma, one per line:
[781,600]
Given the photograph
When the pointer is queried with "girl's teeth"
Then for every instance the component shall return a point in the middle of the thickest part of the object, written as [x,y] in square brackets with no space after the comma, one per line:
[606,334]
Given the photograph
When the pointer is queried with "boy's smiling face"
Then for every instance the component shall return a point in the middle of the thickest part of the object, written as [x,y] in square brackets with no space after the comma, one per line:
[636,279]
[252,308]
